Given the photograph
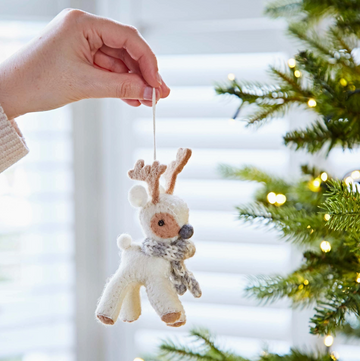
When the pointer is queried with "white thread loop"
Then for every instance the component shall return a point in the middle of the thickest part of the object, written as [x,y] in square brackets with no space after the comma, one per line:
[154,127]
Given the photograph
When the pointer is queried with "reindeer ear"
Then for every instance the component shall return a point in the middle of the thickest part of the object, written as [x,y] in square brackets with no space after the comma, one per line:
[138,196]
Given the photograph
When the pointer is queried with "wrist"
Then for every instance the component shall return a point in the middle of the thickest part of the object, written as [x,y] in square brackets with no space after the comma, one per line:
[12,97]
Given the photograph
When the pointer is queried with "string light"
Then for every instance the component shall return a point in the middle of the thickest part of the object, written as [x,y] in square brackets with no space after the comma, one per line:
[327,217]
[343,82]
[138,359]
[277,199]
[324,176]
[291,63]
[301,287]
[297,73]
[280,199]
[311,103]
[306,282]
[348,180]
[271,197]
[315,184]
[358,277]
[325,246]
[231,76]
[355,174]
[328,340]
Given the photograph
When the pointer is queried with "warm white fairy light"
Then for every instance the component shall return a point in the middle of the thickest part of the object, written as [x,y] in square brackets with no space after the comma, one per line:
[327,217]
[280,199]
[358,277]
[277,199]
[138,359]
[311,103]
[348,180]
[271,197]
[328,340]
[291,63]
[231,76]
[343,82]
[355,174]
[325,246]
[297,73]
[315,184]
[324,176]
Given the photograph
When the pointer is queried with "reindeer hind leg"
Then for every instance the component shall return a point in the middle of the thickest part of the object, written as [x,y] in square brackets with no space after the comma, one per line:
[164,299]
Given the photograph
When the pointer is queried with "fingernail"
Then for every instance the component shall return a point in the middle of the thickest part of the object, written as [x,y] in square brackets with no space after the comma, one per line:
[148,93]
[159,78]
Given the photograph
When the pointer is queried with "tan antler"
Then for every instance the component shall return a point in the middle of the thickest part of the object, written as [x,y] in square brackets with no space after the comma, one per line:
[174,168]
[149,174]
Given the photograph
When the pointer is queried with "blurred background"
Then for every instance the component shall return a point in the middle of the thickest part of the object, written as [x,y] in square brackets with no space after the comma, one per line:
[62,206]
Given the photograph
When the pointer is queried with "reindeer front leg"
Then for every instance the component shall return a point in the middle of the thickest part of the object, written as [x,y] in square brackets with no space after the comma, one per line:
[164,299]
[131,307]
[112,298]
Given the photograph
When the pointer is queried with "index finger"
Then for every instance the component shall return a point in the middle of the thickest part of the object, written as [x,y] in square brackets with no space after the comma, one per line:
[116,35]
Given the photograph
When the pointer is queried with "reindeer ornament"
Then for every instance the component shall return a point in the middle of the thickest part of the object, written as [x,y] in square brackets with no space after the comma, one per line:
[158,263]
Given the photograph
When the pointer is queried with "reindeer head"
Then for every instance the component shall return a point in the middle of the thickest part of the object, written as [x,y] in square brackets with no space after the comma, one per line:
[163,216]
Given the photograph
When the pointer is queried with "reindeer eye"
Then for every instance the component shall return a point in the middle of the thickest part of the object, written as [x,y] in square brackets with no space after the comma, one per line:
[161,223]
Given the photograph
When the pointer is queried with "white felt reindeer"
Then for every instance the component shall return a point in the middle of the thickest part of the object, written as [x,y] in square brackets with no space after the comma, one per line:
[158,262]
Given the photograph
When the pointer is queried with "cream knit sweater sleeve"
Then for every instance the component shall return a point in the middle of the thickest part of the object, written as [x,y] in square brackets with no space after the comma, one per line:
[12,143]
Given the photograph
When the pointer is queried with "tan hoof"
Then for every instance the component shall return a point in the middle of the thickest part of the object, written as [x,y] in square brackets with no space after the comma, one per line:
[171,317]
[176,324]
[105,320]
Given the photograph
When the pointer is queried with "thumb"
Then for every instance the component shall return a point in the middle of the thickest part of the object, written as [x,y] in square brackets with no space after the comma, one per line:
[105,84]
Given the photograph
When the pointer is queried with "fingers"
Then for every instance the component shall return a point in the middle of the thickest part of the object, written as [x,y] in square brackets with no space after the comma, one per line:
[133,103]
[123,55]
[118,36]
[130,87]
[109,63]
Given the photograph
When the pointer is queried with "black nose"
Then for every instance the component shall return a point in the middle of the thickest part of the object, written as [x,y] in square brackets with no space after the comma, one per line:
[186,231]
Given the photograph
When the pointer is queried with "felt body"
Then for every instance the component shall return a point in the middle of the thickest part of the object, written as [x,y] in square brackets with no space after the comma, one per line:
[158,263]
[138,269]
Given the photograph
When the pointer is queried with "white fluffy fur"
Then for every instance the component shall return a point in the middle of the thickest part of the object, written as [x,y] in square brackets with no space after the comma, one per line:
[168,204]
[138,196]
[136,270]
[124,241]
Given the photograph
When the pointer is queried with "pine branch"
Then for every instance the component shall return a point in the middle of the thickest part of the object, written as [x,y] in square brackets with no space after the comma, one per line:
[253,174]
[293,225]
[320,134]
[343,206]
[299,31]
[293,355]
[171,351]
[289,79]
[331,314]
[283,8]
[205,336]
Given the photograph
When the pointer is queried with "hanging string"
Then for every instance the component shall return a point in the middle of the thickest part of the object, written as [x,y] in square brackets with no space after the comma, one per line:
[154,127]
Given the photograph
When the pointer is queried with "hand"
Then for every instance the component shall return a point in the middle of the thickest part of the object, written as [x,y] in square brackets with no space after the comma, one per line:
[78,56]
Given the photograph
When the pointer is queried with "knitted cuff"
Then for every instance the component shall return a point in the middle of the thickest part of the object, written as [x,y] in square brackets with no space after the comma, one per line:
[12,143]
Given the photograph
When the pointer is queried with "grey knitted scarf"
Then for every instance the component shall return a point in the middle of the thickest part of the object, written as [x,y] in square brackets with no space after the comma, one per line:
[175,252]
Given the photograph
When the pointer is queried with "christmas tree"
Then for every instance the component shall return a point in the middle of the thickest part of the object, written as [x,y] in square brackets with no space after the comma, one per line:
[318,212]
